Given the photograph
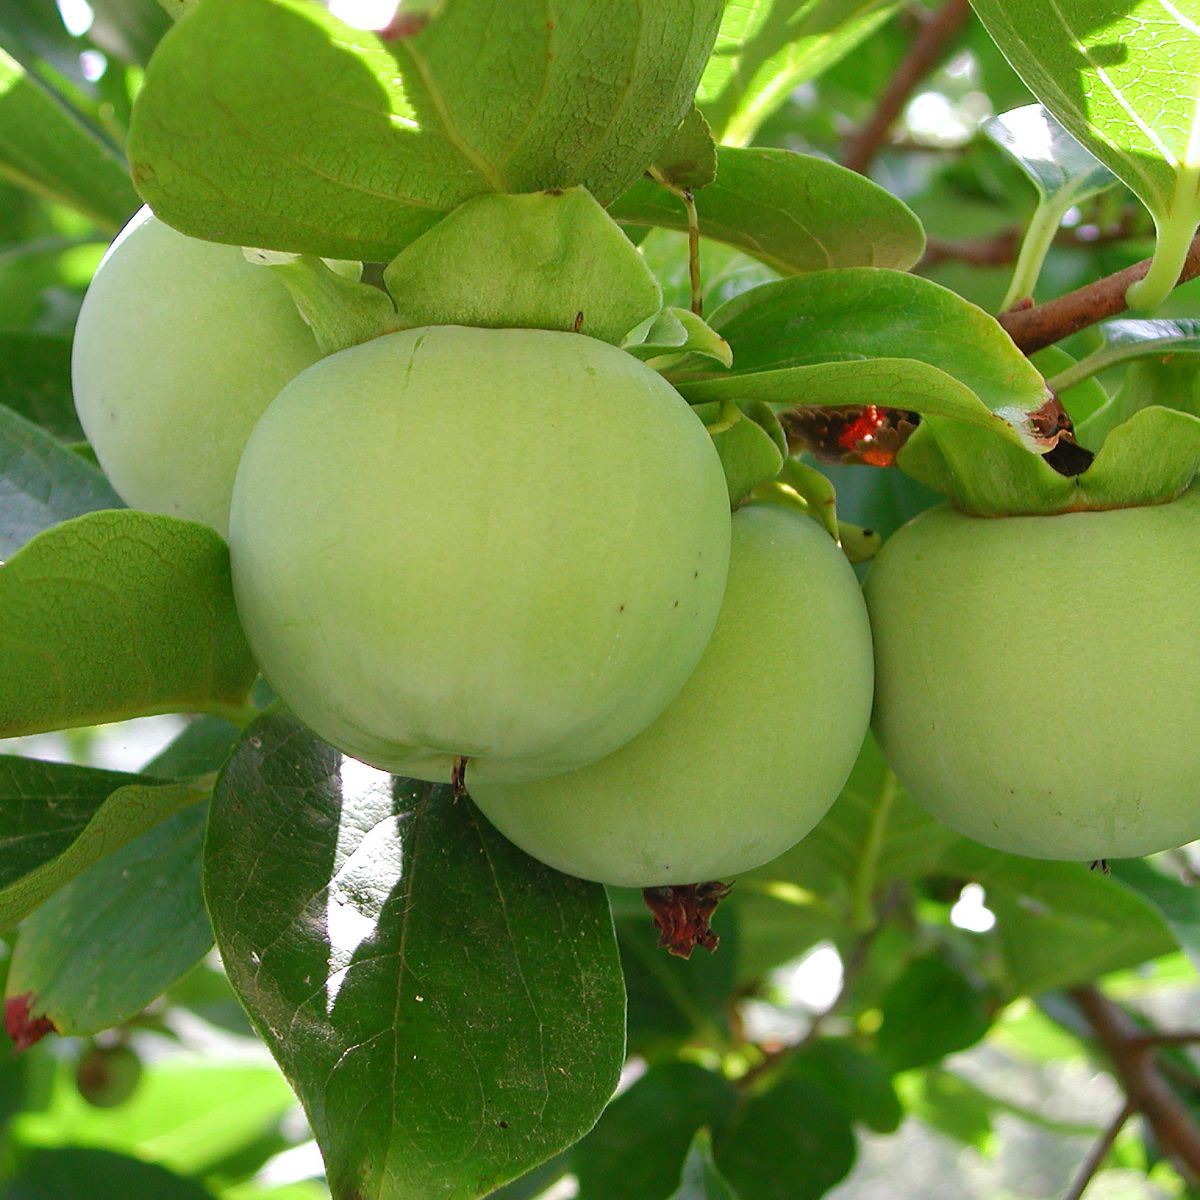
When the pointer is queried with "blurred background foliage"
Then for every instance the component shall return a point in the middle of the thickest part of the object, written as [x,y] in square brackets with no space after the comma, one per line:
[939,1020]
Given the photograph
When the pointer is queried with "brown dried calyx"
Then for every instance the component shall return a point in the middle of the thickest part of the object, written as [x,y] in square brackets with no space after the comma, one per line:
[23,1027]
[682,913]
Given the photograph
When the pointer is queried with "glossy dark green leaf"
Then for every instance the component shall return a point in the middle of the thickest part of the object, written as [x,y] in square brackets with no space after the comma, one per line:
[820,1144]
[701,1179]
[486,97]
[1132,339]
[1177,902]
[35,381]
[120,933]
[200,749]
[42,483]
[932,1010]
[639,1146]
[794,212]
[1059,924]
[450,1012]
[767,48]
[115,615]
[52,1174]
[46,147]
[56,820]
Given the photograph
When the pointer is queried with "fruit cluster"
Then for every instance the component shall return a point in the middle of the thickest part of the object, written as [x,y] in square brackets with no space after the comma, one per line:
[504,552]
[507,553]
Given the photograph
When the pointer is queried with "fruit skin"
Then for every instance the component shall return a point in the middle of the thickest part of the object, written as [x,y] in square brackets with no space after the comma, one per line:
[180,346]
[509,545]
[751,754]
[107,1076]
[1036,676]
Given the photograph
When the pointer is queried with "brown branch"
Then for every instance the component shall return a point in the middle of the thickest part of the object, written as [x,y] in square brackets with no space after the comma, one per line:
[1148,1092]
[1097,1154]
[1044,324]
[923,55]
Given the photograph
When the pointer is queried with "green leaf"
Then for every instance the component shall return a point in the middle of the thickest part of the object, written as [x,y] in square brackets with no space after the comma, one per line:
[339,309]
[820,1145]
[689,159]
[56,820]
[951,1105]
[859,1082]
[767,48]
[749,454]
[1177,903]
[640,1143]
[35,382]
[1081,399]
[128,30]
[484,98]
[862,314]
[116,615]
[42,483]
[48,149]
[724,270]
[701,1179]
[1111,75]
[420,981]
[1061,170]
[1059,924]
[201,749]
[548,261]
[672,332]
[1125,341]
[930,1011]
[52,1174]
[794,212]
[1168,381]
[120,933]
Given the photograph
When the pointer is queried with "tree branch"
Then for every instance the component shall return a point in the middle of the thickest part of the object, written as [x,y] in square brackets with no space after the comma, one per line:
[1044,324]
[1097,1154]
[923,55]
[1148,1092]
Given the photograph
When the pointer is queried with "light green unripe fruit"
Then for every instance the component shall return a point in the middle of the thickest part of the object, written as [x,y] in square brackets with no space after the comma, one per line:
[1037,677]
[507,545]
[180,346]
[751,754]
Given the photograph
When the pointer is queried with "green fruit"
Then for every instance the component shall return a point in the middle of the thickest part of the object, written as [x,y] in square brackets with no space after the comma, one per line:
[754,750]
[506,545]
[108,1076]
[1036,676]
[180,346]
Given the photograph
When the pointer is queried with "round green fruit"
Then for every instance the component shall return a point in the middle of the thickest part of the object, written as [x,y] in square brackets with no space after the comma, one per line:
[180,346]
[1036,677]
[751,754]
[508,546]
[108,1076]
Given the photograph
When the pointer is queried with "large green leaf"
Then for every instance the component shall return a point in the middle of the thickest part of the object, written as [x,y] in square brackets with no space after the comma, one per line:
[119,934]
[794,212]
[859,314]
[767,48]
[701,1180]
[1177,902]
[1059,924]
[450,1012]
[115,615]
[35,381]
[271,123]
[47,148]
[42,483]
[56,820]
[1112,72]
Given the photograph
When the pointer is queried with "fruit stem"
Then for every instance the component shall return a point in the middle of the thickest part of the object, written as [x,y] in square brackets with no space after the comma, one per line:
[1039,237]
[862,909]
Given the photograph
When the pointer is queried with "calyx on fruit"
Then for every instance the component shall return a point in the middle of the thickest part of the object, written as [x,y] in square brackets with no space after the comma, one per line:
[753,751]
[180,346]
[1036,675]
[508,546]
